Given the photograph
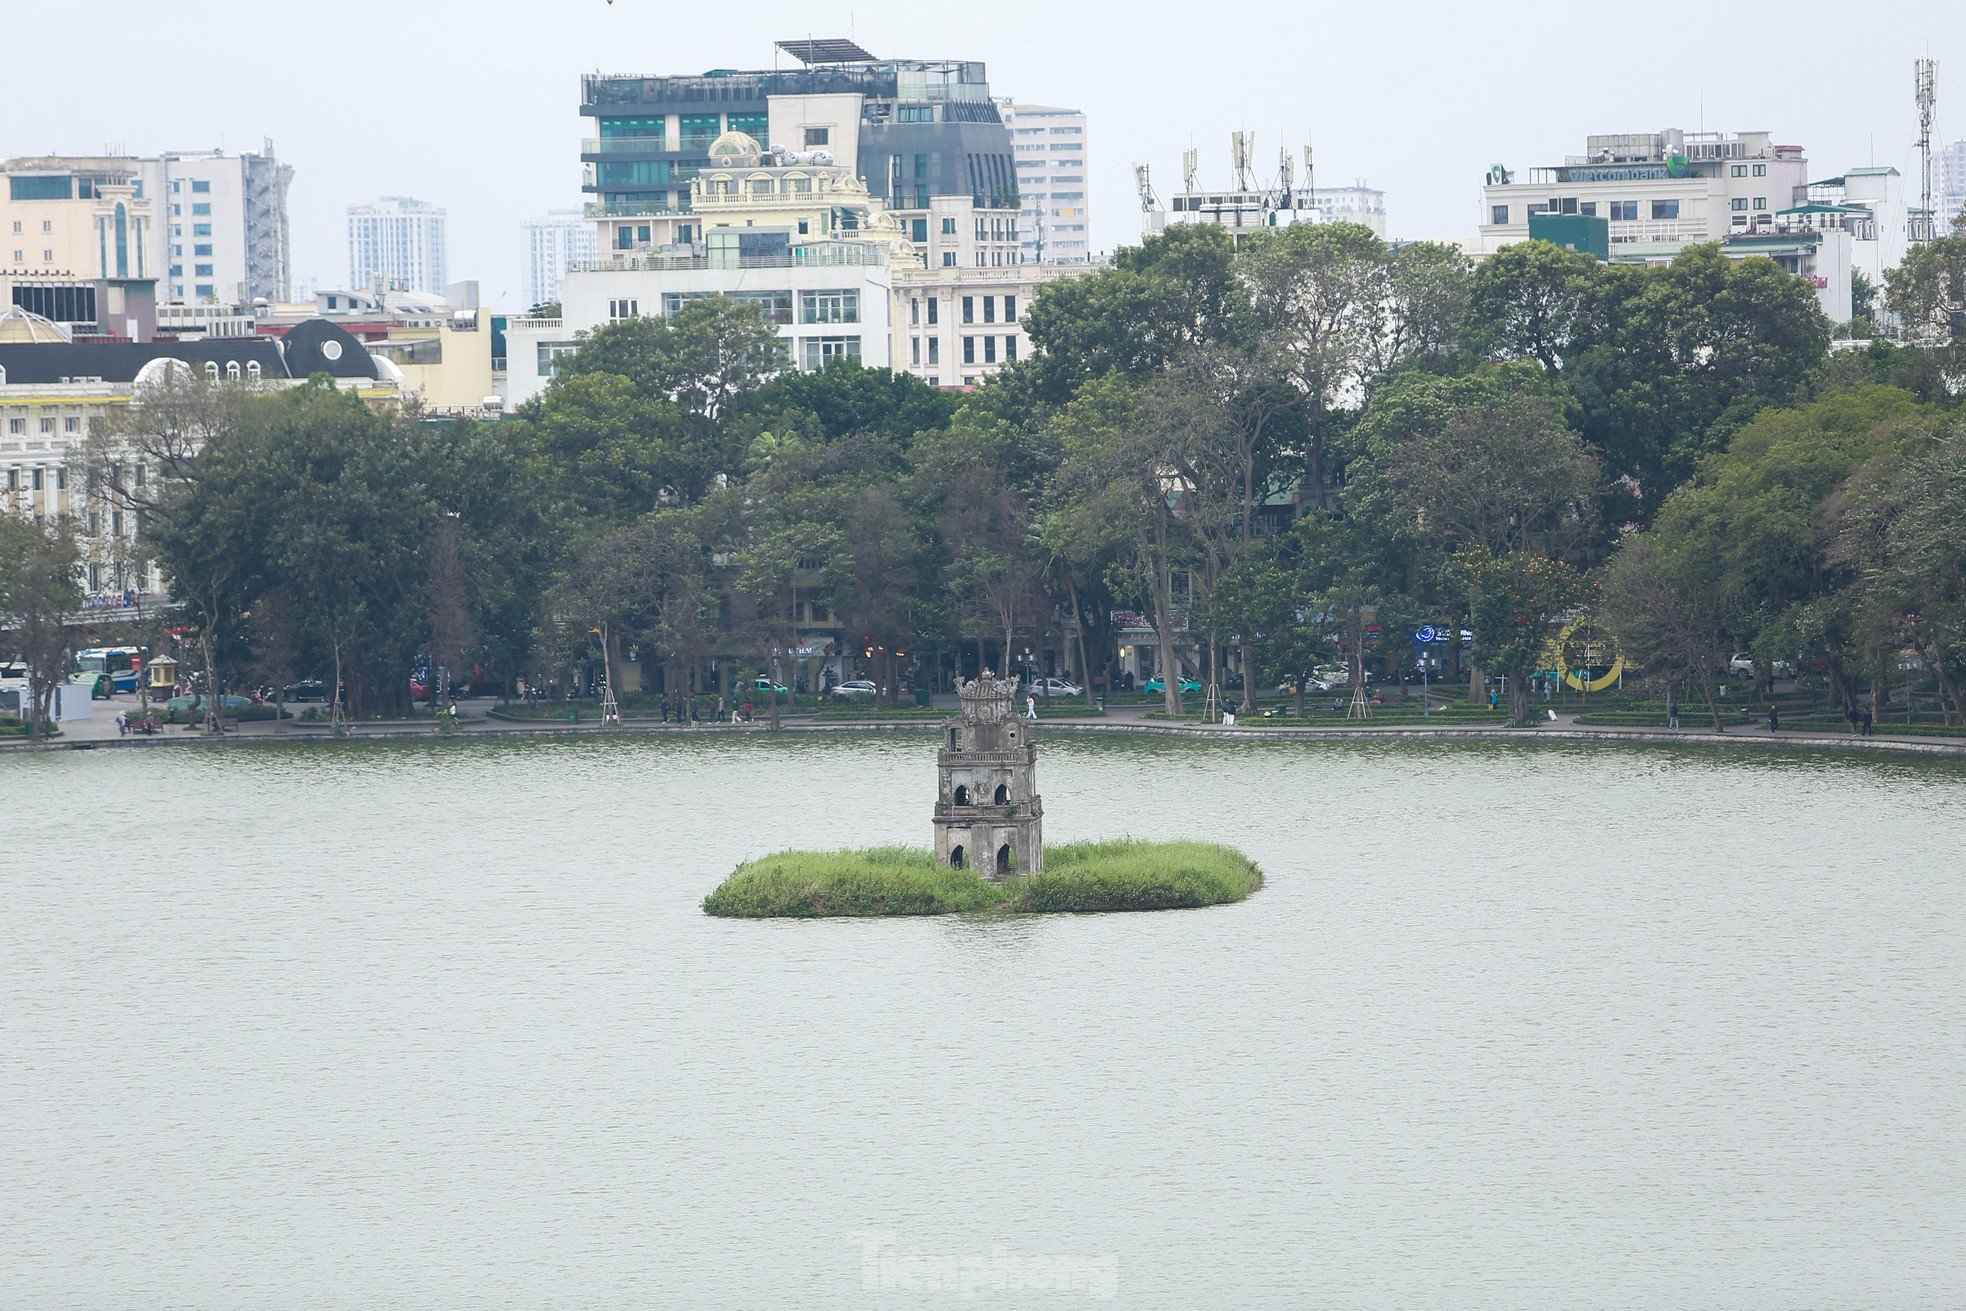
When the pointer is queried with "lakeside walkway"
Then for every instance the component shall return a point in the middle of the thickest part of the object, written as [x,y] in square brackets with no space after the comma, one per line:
[100,731]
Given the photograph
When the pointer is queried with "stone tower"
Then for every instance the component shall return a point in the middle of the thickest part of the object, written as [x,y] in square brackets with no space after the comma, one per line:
[988,816]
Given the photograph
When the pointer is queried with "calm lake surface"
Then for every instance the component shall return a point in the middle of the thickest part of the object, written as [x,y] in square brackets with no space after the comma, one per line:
[441,1024]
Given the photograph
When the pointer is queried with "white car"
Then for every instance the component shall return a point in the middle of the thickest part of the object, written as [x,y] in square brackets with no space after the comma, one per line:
[1055,687]
[1742,665]
[854,689]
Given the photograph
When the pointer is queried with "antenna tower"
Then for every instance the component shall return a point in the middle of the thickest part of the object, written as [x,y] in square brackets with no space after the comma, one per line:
[1190,169]
[1922,227]
[1148,202]
[1240,146]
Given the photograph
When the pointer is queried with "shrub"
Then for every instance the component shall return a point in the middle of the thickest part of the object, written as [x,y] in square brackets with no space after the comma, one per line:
[1126,874]
[1133,874]
[877,881]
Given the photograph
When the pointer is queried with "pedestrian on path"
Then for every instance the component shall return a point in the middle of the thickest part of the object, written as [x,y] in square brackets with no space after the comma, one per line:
[1867,721]
[1774,718]
[1672,711]
[1030,707]
[122,723]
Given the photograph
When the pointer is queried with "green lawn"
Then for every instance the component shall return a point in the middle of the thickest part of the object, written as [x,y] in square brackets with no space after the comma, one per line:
[1125,874]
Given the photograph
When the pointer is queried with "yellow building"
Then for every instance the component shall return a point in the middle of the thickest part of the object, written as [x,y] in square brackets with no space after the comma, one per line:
[73,237]
[445,360]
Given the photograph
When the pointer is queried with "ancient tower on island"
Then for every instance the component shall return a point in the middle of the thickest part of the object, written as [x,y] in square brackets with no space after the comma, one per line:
[988,816]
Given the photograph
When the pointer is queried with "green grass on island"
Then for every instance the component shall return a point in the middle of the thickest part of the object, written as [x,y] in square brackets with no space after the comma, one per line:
[1125,874]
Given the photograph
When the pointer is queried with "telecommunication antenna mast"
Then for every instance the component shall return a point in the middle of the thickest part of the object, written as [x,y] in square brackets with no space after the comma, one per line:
[1922,226]
[1286,189]
[1240,146]
[1190,170]
[1148,201]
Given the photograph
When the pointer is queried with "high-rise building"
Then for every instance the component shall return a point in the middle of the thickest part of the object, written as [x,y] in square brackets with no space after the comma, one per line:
[222,234]
[913,130]
[1949,186]
[74,242]
[398,242]
[554,244]
[1049,146]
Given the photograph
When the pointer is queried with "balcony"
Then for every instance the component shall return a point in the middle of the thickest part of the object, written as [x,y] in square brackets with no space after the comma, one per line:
[653,205]
[818,254]
[625,145]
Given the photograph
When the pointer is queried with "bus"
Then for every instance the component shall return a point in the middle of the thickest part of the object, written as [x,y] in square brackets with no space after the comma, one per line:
[123,664]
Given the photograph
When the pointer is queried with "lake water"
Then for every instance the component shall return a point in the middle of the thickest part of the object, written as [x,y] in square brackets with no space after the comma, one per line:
[441,1024]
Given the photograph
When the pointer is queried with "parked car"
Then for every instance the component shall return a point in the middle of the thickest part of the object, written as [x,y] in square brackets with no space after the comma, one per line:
[307,689]
[1741,666]
[1155,684]
[1055,687]
[101,688]
[766,687]
[855,689]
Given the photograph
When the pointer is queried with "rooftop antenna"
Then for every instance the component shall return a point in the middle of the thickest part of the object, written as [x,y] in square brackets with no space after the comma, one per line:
[1284,180]
[1310,173]
[1148,201]
[1925,76]
[1190,169]
[1240,146]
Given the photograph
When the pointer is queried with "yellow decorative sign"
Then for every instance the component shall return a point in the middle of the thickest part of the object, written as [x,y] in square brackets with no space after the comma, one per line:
[1579,648]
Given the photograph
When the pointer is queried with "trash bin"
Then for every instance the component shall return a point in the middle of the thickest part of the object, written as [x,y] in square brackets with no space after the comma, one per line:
[923,698]
[573,715]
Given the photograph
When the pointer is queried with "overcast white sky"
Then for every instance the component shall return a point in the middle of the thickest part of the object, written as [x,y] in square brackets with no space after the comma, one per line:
[474,104]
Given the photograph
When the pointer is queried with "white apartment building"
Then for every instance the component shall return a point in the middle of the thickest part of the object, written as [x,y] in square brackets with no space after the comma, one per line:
[955,327]
[1048,146]
[1949,187]
[1657,189]
[1868,204]
[222,234]
[554,244]
[398,242]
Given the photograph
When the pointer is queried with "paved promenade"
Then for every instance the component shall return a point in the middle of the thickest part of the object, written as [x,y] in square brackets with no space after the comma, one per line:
[478,721]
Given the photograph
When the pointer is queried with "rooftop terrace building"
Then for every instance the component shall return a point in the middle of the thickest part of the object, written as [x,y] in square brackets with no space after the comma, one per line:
[1669,188]
[912,130]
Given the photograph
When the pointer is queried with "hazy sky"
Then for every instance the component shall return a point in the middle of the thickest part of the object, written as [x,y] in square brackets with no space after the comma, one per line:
[474,104]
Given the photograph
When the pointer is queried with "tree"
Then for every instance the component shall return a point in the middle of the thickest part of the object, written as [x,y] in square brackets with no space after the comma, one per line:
[40,588]
[1518,602]
[1115,480]
[1900,533]
[1489,462]
[1927,291]
[1757,512]
[1671,361]
[1527,300]
[1663,597]
[181,459]
[1320,290]
[1175,291]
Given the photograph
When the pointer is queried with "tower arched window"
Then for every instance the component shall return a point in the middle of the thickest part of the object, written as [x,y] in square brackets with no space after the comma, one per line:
[211,370]
[252,370]
[1003,795]
[232,370]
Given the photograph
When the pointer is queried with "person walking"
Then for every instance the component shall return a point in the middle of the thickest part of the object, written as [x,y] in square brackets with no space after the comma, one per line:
[1672,711]
[1030,707]
[1774,718]
[1867,721]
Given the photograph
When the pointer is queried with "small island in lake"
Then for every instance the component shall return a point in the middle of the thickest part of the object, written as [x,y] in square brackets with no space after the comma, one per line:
[988,818]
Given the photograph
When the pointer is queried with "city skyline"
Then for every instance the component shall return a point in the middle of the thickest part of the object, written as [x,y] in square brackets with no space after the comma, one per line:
[497,137]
